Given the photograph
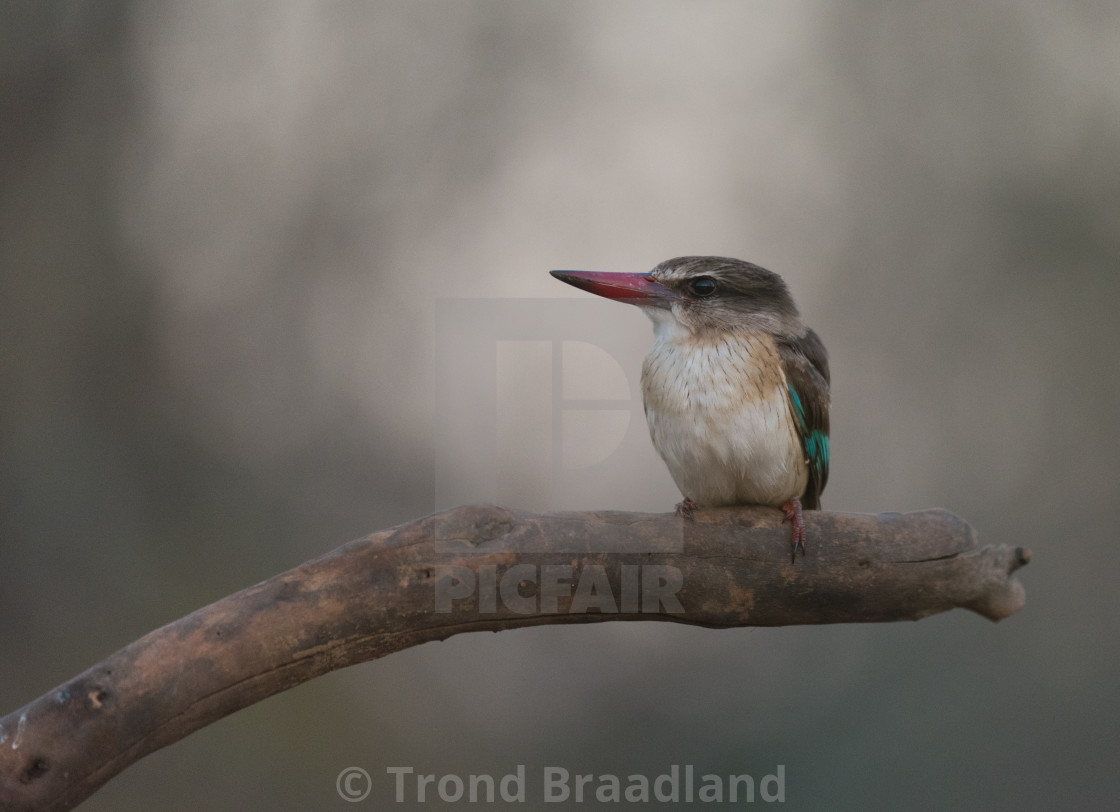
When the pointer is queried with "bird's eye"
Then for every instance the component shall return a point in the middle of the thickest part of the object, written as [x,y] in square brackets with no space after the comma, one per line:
[702,286]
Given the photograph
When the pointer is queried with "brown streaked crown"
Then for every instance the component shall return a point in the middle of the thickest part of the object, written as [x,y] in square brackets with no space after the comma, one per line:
[722,293]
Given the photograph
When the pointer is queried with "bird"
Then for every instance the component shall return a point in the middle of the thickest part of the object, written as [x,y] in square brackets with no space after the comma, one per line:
[735,386]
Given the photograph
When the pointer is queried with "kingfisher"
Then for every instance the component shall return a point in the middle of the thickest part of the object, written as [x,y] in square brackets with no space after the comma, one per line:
[735,386]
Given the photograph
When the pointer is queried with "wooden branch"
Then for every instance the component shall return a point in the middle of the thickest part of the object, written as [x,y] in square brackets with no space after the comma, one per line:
[484,568]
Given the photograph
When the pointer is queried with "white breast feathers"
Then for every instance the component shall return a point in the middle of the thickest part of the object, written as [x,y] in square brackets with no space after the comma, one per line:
[719,415]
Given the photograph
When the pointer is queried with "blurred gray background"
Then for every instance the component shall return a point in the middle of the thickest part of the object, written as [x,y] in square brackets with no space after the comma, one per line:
[224,229]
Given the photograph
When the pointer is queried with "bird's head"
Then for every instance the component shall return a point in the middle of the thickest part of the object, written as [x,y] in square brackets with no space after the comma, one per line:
[698,296]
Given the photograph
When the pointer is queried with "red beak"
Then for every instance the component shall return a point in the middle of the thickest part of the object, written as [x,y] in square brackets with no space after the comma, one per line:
[633,288]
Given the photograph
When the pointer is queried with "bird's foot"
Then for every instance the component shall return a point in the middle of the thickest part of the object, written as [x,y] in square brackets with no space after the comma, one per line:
[687,508]
[792,509]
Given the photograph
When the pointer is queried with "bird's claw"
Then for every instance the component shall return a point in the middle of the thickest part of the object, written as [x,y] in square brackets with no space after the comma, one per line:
[686,508]
[792,511]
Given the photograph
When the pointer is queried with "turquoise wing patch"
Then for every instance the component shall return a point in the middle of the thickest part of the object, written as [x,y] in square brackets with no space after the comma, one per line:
[815,441]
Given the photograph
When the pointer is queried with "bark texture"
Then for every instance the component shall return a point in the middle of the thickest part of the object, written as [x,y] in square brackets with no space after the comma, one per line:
[485,568]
